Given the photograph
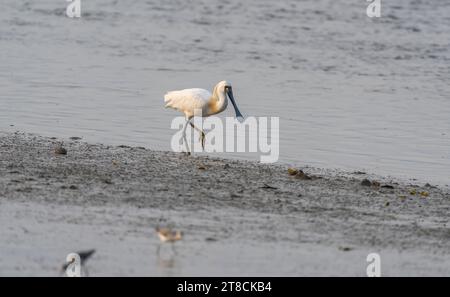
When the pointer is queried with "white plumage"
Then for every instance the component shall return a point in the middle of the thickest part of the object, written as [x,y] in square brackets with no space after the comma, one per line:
[200,102]
[188,100]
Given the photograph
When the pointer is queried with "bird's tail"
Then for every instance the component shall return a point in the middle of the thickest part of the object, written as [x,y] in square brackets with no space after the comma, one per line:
[167,99]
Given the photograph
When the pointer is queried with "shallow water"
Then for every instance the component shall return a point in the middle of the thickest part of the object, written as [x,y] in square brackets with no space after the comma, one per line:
[38,246]
[351,92]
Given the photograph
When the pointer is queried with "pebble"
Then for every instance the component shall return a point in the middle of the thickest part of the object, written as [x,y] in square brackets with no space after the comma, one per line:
[292,171]
[366,182]
[60,150]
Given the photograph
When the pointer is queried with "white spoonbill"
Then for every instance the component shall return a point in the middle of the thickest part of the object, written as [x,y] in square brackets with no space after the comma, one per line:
[193,101]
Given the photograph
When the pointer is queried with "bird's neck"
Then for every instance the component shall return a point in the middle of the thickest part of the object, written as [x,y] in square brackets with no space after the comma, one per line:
[218,102]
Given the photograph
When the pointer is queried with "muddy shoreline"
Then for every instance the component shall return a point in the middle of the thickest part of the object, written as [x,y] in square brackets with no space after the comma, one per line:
[240,218]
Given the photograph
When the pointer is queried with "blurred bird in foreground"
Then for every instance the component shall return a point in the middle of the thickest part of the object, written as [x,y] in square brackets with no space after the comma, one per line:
[168,235]
[82,257]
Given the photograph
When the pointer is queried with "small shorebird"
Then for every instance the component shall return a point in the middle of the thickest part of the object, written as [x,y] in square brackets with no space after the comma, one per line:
[81,256]
[200,102]
[168,235]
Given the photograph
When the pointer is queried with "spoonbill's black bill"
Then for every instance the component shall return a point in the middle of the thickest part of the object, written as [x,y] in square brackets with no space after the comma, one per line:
[239,116]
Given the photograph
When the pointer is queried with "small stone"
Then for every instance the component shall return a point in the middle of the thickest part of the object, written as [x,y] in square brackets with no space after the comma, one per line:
[60,150]
[424,194]
[366,183]
[292,171]
[107,181]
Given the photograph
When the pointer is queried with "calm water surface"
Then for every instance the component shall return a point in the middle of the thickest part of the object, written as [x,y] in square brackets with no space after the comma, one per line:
[351,92]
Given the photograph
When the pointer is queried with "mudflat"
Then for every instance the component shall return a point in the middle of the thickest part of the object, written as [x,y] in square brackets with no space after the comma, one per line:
[238,218]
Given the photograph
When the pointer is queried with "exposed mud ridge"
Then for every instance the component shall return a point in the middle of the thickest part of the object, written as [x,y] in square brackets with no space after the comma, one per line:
[216,203]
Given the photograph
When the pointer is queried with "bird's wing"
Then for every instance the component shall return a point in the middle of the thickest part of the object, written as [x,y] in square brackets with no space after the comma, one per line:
[84,255]
[188,99]
[168,233]
[164,231]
